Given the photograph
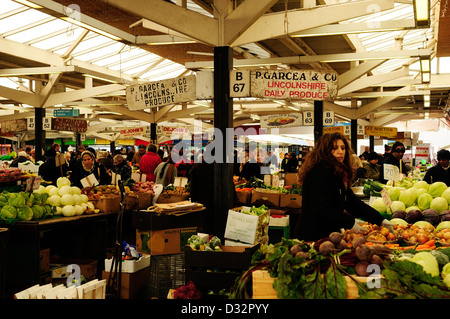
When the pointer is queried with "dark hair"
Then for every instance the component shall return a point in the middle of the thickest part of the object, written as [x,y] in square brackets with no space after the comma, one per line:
[151,148]
[51,152]
[443,155]
[398,147]
[322,152]
[141,146]
[372,156]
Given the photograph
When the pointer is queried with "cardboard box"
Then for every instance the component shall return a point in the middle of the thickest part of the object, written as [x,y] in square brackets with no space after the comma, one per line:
[153,221]
[243,197]
[234,257]
[44,256]
[279,221]
[133,285]
[270,199]
[290,201]
[88,268]
[290,179]
[130,266]
[171,198]
[164,241]
[140,200]
[107,205]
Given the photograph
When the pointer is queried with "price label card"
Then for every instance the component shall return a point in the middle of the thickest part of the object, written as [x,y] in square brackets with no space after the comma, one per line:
[391,172]
[328,118]
[47,123]
[31,124]
[89,181]
[157,188]
[387,199]
[308,118]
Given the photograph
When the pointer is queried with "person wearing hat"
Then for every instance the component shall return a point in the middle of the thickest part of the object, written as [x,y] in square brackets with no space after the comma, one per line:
[371,167]
[21,158]
[89,166]
[387,152]
[395,158]
[48,170]
[439,172]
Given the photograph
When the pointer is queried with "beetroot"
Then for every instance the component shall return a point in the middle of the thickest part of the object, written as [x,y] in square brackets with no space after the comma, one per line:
[431,216]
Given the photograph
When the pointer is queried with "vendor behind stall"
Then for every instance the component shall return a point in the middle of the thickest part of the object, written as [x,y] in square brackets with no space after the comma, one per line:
[89,166]
[328,203]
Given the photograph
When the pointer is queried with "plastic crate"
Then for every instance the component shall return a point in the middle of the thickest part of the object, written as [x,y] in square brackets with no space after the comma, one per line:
[166,272]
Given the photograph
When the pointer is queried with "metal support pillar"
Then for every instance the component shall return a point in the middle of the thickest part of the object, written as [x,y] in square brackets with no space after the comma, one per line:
[39,140]
[318,120]
[223,120]
[354,135]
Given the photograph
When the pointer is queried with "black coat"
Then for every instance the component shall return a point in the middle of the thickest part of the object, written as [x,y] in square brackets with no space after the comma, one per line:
[437,174]
[251,169]
[50,173]
[99,172]
[328,206]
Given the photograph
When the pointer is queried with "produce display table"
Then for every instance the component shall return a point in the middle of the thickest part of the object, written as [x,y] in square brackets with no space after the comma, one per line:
[30,244]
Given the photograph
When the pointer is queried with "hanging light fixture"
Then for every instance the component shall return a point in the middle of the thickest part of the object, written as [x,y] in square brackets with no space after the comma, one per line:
[422,12]
[425,69]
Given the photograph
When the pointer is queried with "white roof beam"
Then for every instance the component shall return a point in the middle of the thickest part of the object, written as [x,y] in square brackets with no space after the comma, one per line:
[358,71]
[241,18]
[187,22]
[75,95]
[356,28]
[35,71]
[367,81]
[338,57]
[274,25]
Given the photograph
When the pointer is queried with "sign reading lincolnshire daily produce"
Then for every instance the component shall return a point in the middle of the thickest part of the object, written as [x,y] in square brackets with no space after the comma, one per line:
[160,93]
[294,85]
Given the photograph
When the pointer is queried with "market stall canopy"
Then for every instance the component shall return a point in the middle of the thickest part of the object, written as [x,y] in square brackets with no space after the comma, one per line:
[83,54]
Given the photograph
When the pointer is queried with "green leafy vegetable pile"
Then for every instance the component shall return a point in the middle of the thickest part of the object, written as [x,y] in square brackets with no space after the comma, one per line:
[24,206]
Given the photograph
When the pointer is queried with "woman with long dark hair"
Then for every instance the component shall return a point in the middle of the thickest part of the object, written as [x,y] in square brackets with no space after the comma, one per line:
[329,203]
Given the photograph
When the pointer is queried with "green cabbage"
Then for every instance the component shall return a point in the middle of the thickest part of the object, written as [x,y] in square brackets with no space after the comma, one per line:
[422,184]
[437,188]
[446,194]
[38,211]
[397,205]
[394,193]
[24,213]
[379,205]
[3,200]
[445,271]
[439,204]
[8,212]
[428,262]
[408,197]
[16,200]
[424,201]
[62,181]
[399,221]
[442,225]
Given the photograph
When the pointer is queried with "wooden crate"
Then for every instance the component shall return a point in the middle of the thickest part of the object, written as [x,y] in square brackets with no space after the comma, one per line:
[263,286]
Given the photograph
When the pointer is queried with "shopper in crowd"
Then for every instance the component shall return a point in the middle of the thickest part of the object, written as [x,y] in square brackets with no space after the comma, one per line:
[371,167]
[149,162]
[440,172]
[251,168]
[130,154]
[166,172]
[48,170]
[89,166]
[328,203]
[359,166]
[284,162]
[387,152]
[21,158]
[122,167]
[202,191]
[103,158]
[395,158]
[138,155]
[12,152]
[33,155]
[292,163]
[57,148]
[365,155]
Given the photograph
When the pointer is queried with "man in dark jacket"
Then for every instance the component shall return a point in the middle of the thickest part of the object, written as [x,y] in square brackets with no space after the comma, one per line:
[49,171]
[439,172]
[395,158]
